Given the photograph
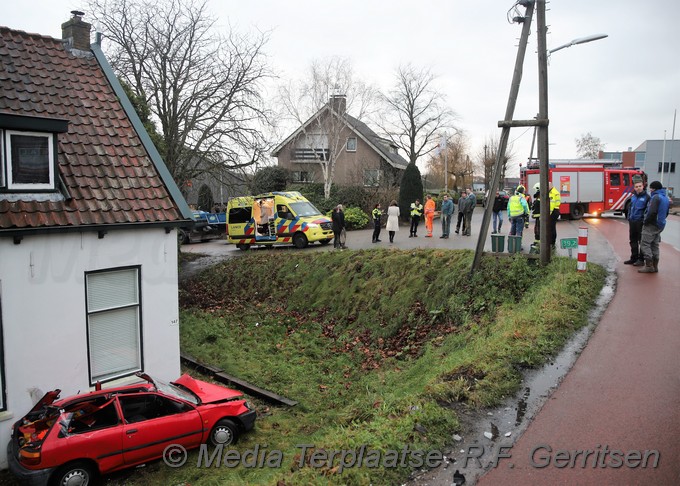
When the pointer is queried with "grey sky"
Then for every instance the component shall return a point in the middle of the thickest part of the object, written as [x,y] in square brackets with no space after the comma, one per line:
[623,89]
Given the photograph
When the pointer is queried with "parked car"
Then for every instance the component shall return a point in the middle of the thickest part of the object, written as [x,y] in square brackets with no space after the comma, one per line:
[205,227]
[73,440]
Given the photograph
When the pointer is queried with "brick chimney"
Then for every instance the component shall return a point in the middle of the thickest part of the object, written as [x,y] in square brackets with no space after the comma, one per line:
[339,103]
[76,33]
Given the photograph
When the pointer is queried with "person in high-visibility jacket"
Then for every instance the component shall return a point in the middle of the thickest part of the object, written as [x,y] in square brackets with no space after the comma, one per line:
[555,201]
[416,213]
[518,211]
[377,216]
[429,215]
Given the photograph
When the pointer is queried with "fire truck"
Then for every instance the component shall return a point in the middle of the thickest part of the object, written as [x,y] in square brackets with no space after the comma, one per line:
[592,186]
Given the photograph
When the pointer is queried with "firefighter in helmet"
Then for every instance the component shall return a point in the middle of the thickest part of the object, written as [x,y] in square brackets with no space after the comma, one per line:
[555,202]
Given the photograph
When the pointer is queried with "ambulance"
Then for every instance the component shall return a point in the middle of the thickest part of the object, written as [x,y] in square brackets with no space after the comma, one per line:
[276,218]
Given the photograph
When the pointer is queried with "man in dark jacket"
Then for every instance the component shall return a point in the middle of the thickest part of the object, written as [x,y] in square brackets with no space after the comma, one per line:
[636,212]
[652,225]
[338,218]
[500,204]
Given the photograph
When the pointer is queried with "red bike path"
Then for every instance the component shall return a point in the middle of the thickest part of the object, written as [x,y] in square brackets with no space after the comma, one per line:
[623,392]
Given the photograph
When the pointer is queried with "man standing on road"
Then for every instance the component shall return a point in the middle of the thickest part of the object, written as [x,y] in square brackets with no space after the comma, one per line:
[470,203]
[447,214]
[518,212]
[555,202]
[429,215]
[653,224]
[377,216]
[636,213]
[500,203]
[416,212]
[461,211]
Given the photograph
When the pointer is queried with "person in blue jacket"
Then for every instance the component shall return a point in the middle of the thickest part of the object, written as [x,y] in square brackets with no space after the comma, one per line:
[636,213]
[652,225]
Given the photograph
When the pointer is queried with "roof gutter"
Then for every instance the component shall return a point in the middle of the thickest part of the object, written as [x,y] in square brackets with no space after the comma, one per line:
[102,229]
[156,158]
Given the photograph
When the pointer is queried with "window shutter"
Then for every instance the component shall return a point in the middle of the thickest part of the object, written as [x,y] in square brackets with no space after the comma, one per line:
[113,323]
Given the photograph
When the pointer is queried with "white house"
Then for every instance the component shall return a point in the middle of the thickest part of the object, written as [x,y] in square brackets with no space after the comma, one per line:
[88,218]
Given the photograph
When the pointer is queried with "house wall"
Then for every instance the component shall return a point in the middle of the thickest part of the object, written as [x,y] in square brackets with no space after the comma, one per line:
[42,294]
[349,166]
[655,154]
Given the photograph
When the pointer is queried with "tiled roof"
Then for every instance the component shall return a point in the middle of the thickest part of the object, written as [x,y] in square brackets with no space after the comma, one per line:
[106,170]
[380,143]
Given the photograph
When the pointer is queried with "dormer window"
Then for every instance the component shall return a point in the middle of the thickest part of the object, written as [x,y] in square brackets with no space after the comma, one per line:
[29,160]
[28,153]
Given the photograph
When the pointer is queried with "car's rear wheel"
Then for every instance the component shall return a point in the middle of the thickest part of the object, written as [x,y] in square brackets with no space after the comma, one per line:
[299,240]
[225,432]
[74,474]
[183,237]
[325,242]
[243,246]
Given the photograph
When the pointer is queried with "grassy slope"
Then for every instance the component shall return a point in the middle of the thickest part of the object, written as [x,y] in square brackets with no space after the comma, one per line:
[374,345]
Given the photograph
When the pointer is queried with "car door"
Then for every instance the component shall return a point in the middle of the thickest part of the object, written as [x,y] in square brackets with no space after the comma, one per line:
[154,421]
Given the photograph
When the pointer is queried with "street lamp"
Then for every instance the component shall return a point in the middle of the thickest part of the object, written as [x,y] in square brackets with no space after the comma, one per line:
[581,40]
[543,157]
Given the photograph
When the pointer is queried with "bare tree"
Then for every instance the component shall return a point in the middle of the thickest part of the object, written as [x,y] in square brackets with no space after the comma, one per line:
[203,87]
[588,146]
[486,157]
[319,103]
[415,114]
[460,170]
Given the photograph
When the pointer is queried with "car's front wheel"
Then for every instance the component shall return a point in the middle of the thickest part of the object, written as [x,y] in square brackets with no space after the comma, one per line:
[74,474]
[225,432]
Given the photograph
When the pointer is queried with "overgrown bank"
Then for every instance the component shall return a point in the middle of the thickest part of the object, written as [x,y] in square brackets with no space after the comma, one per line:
[377,346]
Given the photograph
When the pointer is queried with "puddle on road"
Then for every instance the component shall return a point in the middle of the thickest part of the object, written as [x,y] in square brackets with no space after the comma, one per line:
[502,426]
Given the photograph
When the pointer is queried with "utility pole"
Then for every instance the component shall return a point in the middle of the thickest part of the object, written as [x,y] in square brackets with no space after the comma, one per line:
[542,149]
[507,123]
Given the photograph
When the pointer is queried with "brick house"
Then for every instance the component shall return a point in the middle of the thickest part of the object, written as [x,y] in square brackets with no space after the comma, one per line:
[362,157]
[88,227]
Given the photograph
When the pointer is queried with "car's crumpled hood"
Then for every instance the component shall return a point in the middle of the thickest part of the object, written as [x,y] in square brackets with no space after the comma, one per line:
[207,392]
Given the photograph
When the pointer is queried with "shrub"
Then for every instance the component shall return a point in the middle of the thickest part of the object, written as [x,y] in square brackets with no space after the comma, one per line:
[411,189]
[269,179]
[355,218]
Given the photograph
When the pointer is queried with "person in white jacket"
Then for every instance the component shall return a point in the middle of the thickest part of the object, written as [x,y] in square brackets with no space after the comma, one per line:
[392,220]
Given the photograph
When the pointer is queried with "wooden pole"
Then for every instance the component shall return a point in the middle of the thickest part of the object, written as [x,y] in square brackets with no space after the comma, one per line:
[541,30]
[505,133]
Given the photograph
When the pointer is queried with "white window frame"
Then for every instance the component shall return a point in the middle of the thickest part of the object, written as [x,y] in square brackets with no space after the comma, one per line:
[355,144]
[8,161]
[95,308]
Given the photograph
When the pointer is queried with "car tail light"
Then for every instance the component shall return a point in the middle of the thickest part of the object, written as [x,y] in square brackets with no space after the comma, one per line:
[29,456]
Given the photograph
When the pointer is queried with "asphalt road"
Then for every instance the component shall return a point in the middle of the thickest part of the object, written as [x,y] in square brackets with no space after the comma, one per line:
[598,249]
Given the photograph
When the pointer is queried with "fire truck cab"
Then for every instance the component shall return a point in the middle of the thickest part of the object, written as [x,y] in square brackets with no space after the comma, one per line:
[592,187]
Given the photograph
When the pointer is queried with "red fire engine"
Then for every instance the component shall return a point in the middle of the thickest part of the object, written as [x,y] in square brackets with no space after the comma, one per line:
[587,186]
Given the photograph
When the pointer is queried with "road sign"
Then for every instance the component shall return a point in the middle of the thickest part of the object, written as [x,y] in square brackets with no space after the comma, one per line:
[568,243]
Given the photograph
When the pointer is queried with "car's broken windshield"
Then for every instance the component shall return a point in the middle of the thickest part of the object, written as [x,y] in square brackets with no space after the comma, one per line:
[175,391]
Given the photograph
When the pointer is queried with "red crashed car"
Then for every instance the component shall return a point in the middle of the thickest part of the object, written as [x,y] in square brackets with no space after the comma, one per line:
[71,441]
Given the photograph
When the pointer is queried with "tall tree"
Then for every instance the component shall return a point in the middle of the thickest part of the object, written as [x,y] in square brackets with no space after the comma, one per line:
[319,103]
[588,146]
[415,114]
[203,87]
[410,189]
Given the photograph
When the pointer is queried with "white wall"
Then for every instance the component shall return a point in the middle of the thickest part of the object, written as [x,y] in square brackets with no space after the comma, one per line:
[42,294]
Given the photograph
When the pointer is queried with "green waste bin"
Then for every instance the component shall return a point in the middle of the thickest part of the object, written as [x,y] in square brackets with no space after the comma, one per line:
[514,244]
[498,243]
